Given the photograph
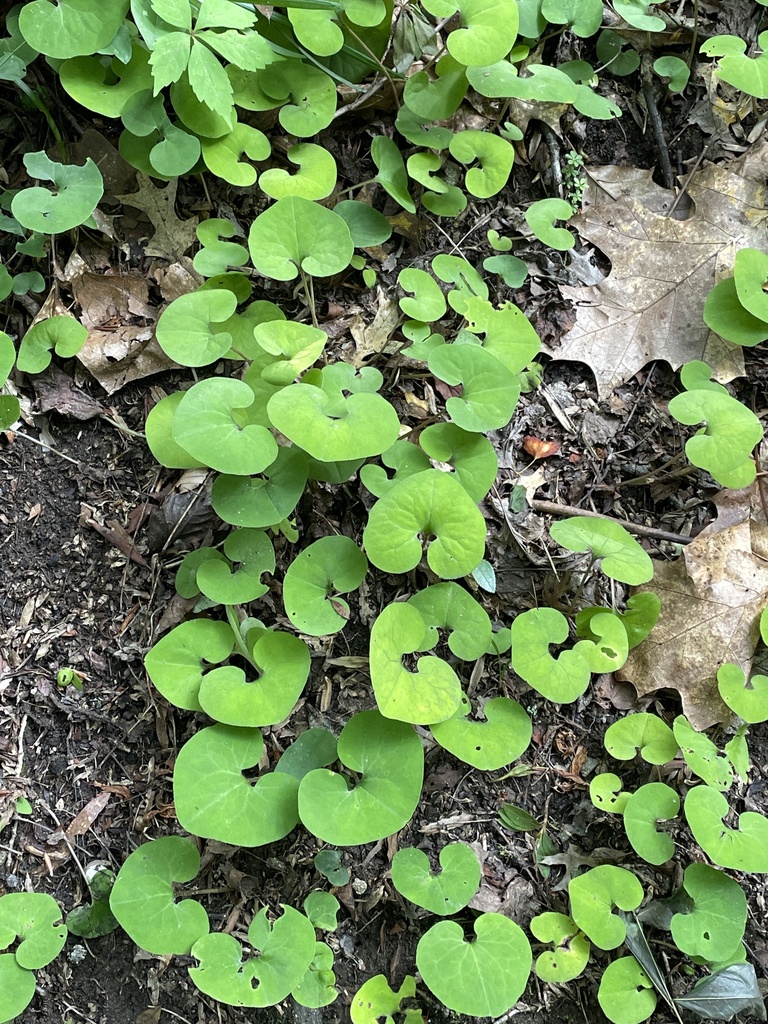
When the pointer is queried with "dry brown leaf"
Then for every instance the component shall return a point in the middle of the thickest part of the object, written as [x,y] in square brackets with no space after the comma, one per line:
[117,357]
[711,601]
[172,236]
[649,306]
[56,391]
[376,337]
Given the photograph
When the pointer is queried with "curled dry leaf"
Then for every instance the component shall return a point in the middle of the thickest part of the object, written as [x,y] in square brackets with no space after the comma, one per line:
[539,449]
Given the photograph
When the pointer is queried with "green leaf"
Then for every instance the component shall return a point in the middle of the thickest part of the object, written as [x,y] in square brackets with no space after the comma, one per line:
[71,28]
[562,679]
[725,445]
[512,270]
[430,694]
[508,334]
[489,391]
[252,550]
[648,805]
[321,908]
[541,216]
[481,978]
[444,892]
[583,16]
[744,848]
[436,99]
[750,74]
[570,948]
[217,255]
[436,505]
[284,950]
[142,898]
[617,53]
[593,897]
[376,1003]
[494,154]
[296,234]
[78,191]
[33,921]
[391,171]
[196,115]
[313,748]
[484,576]
[489,745]
[158,429]
[714,927]
[185,331]
[488,29]
[216,801]
[622,557]
[327,568]
[311,92]
[85,79]
[176,663]
[209,80]
[448,606]
[318,31]
[17,987]
[389,758]
[676,70]
[605,792]
[170,59]
[641,733]
[264,500]
[518,819]
[702,756]
[223,156]
[428,302]
[747,700]
[315,179]
[61,333]
[626,994]
[750,274]
[318,986]
[328,863]
[635,13]
[726,316]
[366,225]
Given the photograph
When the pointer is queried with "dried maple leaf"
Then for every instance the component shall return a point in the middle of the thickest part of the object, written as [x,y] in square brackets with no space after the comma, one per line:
[649,306]
[711,601]
[172,236]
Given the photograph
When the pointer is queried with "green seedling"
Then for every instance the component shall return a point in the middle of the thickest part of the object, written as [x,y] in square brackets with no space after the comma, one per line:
[484,576]
[675,70]
[296,236]
[748,700]
[252,552]
[316,577]
[423,341]
[636,13]
[489,391]
[512,270]
[562,679]
[750,272]
[321,908]
[449,607]
[17,987]
[283,663]
[295,347]
[570,948]
[595,894]
[313,748]
[724,447]
[702,756]
[641,616]
[265,499]
[284,951]
[737,752]
[541,216]
[606,793]
[726,316]
[471,455]
[487,31]
[626,994]
[212,424]
[646,807]
[750,74]
[435,505]
[615,52]
[583,16]
[508,334]
[108,90]
[95,919]
[494,154]
[33,923]
[622,557]
[391,168]
[217,255]
[307,96]
[318,986]
[438,98]
[315,178]
[366,225]
[469,285]
[72,28]
[405,458]
[389,758]
[714,927]
[216,801]
[430,694]
[484,977]
[328,863]
[224,156]
[444,892]
[143,897]
[643,734]
[428,302]
[69,677]
[62,334]
[744,848]
[517,819]
[77,193]
[500,739]
[420,131]
[186,329]
[376,1003]
[176,663]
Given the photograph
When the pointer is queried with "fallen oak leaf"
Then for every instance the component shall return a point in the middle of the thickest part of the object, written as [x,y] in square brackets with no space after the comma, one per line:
[539,449]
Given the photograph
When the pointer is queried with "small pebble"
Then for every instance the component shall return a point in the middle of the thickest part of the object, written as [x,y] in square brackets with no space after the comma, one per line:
[359,886]
[12,881]
[77,954]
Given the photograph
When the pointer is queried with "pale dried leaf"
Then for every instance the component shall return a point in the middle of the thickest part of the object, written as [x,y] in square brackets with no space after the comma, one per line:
[117,357]
[172,236]
[649,307]
[376,337]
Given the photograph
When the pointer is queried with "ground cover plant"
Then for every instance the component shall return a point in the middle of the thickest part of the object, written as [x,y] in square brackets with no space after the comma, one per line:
[350,489]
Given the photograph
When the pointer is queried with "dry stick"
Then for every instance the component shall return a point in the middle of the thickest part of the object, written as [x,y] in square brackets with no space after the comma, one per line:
[655,118]
[644,531]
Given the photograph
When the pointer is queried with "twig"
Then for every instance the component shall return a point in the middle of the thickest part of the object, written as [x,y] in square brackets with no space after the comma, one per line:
[655,118]
[683,191]
[643,531]
[42,444]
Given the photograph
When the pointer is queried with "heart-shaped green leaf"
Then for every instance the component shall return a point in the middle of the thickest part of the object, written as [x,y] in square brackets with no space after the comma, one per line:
[376,1003]
[725,315]
[750,273]
[176,663]
[541,217]
[593,897]
[444,892]
[435,505]
[70,28]
[17,987]
[36,921]
[315,178]
[641,733]
[605,792]
[284,951]
[61,333]
[389,758]
[252,552]
[430,694]
[715,925]
[472,456]
[264,500]
[562,679]
[647,806]
[622,557]
[702,756]
[321,908]
[295,234]
[744,848]
[638,620]
[626,994]
[297,346]
[583,16]
[391,170]
[313,748]
[675,70]
[85,79]
[448,606]
[318,986]
[317,576]
[142,898]
[185,331]
[489,391]
[494,154]
[228,696]
[725,446]
[308,96]
[224,156]
[428,302]
[77,193]
[508,334]
[212,424]
[366,225]
[488,28]
[570,948]
[405,458]
[489,745]
[481,978]
[217,255]
[747,700]
[216,801]
[436,99]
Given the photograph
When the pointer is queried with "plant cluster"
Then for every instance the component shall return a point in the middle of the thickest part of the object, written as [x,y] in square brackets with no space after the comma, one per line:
[272,416]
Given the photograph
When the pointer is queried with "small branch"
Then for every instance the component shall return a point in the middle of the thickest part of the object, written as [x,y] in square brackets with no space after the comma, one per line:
[655,118]
[643,531]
